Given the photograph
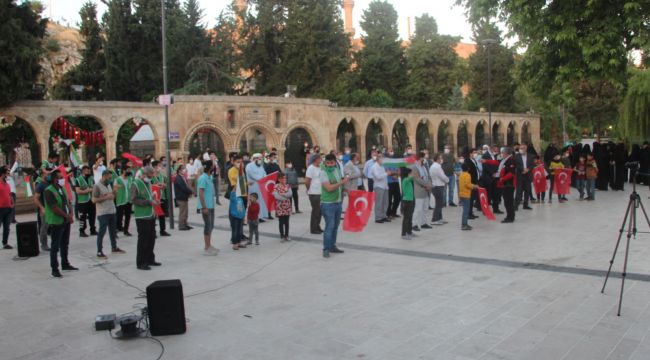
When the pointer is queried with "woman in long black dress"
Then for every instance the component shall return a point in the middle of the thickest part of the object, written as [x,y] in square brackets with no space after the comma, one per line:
[635,157]
[602,161]
[620,159]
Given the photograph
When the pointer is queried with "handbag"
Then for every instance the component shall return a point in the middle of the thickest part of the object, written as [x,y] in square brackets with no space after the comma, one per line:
[237,208]
[228,191]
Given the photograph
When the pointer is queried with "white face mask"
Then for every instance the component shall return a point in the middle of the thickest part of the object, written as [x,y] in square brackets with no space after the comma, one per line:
[258,162]
[340,157]
[61,182]
[447,151]
[374,158]
[461,160]
[289,166]
[146,179]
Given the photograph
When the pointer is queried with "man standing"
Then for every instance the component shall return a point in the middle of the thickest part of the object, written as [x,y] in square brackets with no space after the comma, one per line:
[367,167]
[39,201]
[380,176]
[182,191]
[421,187]
[160,179]
[98,169]
[353,173]
[525,163]
[332,182]
[216,175]
[206,205]
[474,172]
[448,163]
[438,180]
[507,183]
[123,200]
[394,194]
[313,184]
[103,195]
[254,172]
[58,216]
[6,204]
[143,203]
[84,188]
[490,176]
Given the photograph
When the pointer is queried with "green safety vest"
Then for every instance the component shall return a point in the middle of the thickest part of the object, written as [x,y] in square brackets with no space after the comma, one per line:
[84,184]
[124,192]
[144,193]
[52,218]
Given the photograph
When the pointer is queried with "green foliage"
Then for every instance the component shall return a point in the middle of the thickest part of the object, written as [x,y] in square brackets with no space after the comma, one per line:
[636,106]
[124,135]
[22,31]
[597,104]
[431,64]
[52,45]
[456,100]
[120,48]
[381,63]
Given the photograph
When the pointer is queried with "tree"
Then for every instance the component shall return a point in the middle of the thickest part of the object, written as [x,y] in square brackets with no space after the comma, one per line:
[431,63]
[636,106]
[597,104]
[120,51]
[22,32]
[456,100]
[316,50]
[502,64]
[567,41]
[381,63]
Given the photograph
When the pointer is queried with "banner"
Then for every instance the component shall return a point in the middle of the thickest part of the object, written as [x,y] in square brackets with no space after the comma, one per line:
[75,161]
[66,177]
[485,204]
[562,183]
[360,206]
[28,187]
[398,162]
[267,186]
[155,191]
[539,179]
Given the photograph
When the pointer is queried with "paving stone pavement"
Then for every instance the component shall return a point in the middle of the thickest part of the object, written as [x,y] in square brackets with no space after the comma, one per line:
[528,290]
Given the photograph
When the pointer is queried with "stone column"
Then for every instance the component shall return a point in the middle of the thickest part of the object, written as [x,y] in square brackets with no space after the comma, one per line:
[411,131]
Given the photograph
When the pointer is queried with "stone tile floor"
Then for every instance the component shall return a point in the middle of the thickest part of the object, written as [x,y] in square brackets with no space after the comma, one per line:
[529,290]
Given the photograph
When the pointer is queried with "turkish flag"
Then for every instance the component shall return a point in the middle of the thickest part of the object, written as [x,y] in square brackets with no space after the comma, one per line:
[134,159]
[539,179]
[155,191]
[267,186]
[485,204]
[562,181]
[66,177]
[360,206]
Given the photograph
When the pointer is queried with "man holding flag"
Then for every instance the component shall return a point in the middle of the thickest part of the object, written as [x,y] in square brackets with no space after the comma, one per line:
[143,203]
[507,183]
[332,184]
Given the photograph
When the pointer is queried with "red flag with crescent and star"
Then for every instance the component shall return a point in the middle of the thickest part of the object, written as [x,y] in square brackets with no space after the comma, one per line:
[155,192]
[66,177]
[360,206]
[562,183]
[539,179]
[485,204]
[267,186]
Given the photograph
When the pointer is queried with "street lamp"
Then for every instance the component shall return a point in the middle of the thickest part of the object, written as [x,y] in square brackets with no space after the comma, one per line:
[170,201]
[488,43]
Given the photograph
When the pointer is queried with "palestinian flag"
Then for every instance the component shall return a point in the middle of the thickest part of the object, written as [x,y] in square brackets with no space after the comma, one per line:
[399,162]
[28,187]
[75,161]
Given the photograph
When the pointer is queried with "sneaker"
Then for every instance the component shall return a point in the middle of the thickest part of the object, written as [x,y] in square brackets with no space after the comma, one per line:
[165,233]
[438,223]
[56,273]
[452,204]
[69,267]
[101,255]
[45,248]
[336,250]
[406,237]
[93,232]
[83,234]
[257,242]
[416,228]
[260,220]
[210,251]
[413,235]
[426,226]
[144,267]
[126,233]
[466,227]
[118,251]
[283,239]
[7,247]
[326,254]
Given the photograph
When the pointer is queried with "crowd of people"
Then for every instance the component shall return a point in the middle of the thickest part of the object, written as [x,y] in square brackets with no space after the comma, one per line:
[411,185]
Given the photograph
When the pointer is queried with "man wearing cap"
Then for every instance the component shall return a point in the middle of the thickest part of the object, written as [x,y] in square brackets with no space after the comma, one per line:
[312,182]
[103,195]
[143,203]
[254,172]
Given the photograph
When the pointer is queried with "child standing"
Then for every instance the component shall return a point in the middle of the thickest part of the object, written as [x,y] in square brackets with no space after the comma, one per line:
[556,163]
[541,196]
[253,215]
[408,204]
[292,180]
[282,194]
[465,188]
[591,173]
[581,176]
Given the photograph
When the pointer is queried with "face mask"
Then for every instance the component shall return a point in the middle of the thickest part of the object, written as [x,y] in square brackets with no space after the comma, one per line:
[147,180]
[238,165]
[289,166]
[61,182]
[340,157]
[101,163]
[447,151]
[409,152]
[245,158]
[391,153]
[477,156]
[461,160]
[275,161]
[347,151]
[426,156]
[107,182]
[374,158]
[258,162]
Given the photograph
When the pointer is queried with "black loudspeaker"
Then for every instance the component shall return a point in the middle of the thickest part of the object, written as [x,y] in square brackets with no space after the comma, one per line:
[27,234]
[166,308]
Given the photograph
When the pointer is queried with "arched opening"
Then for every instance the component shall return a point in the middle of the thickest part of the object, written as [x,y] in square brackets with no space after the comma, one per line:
[206,139]
[423,138]
[463,138]
[346,136]
[83,133]
[295,150]
[18,143]
[444,136]
[481,136]
[497,137]
[136,137]
[400,137]
[375,135]
[511,134]
[253,140]
[525,134]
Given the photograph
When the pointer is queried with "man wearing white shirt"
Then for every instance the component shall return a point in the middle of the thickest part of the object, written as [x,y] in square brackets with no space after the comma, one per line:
[438,180]
[313,184]
[367,167]
[98,168]
[380,179]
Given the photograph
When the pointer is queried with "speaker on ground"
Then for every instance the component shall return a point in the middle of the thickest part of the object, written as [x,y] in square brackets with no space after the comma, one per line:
[166,307]
[27,235]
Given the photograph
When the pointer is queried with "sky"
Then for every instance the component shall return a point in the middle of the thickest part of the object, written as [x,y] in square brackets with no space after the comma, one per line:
[451,20]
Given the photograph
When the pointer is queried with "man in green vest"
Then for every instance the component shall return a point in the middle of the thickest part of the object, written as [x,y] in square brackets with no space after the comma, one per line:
[161,180]
[83,189]
[332,185]
[123,200]
[143,203]
[58,215]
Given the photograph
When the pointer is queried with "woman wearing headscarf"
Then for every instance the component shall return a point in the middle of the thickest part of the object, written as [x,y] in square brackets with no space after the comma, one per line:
[620,170]
[635,157]
[601,155]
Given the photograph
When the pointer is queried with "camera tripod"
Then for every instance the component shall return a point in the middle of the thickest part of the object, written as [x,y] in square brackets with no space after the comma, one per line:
[630,218]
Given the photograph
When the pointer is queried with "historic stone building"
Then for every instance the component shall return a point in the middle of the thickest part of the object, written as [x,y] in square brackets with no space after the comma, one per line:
[251,123]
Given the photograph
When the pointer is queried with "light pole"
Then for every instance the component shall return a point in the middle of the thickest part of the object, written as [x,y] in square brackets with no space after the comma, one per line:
[170,202]
[488,43]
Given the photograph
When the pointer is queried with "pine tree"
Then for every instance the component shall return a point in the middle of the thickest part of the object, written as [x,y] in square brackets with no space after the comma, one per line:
[381,62]
[431,64]
[456,99]
[21,51]
[120,51]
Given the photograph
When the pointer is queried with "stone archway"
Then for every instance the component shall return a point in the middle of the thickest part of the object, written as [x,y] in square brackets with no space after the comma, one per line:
[444,135]
[18,142]
[346,135]
[399,137]
[295,150]
[497,136]
[202,135]
[256,137]
[462,137]
[136,136]
[375,134]
[86,133]
[481,134]
[424,137]
[525,133]
[511,135]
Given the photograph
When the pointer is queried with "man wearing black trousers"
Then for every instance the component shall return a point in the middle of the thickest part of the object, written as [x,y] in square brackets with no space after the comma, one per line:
[143,203]
[472,164]
[507,183]
[489,179]
[525,163]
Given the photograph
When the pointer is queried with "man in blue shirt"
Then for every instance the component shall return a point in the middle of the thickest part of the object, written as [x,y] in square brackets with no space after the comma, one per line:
[367,167]
[206,205]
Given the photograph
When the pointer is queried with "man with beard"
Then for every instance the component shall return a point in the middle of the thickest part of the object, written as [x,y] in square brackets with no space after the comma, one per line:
[254,172]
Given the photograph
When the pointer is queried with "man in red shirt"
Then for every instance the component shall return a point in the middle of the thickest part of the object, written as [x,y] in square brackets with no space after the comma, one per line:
[6,204]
